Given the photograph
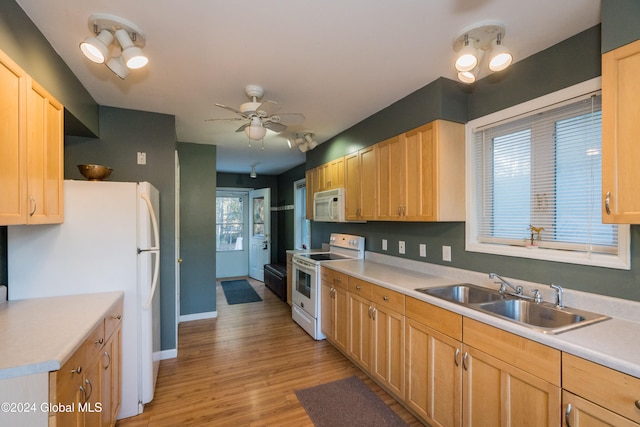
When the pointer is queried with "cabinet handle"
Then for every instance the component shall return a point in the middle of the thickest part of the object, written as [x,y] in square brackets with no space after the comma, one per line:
[34,205]
[464,361]
[358,287]
[106,353]
[455,357]
[369,314]
[100,341]
[117,317]
[77,370]
[567,415]
[373,313]
[84,394]
[607,202]
[638,404]
[88,382]
[385,298]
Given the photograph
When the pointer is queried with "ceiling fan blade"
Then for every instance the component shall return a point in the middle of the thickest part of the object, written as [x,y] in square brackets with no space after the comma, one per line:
[276,127]
[232,119]
[267,108]
[291,118]
[241,128]
[229,108]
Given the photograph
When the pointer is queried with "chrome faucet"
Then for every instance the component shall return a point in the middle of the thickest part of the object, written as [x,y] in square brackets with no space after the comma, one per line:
[559,295]
[504,283]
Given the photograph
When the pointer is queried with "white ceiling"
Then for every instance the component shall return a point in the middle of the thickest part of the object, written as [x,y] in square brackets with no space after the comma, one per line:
[335,61]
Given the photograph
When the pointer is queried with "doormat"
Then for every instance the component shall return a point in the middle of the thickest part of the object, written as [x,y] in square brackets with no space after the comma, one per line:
[239,292]
[347,402]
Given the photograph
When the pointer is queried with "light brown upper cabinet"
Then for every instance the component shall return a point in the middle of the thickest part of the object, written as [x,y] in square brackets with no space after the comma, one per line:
[360,184]
[421,174]
[620,130]
[31,160]
[311,178]
[331,175]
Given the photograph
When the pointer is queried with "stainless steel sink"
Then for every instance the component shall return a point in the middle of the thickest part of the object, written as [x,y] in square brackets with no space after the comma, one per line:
[542,316]
[463,293]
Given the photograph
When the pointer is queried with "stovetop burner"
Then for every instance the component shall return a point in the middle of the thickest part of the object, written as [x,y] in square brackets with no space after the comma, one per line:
[324,256]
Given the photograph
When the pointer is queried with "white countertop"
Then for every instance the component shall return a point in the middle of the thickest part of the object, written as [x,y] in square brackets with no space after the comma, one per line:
[40,334]
[614,343]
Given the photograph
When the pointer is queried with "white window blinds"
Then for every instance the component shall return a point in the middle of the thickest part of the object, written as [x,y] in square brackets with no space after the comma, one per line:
[538,179]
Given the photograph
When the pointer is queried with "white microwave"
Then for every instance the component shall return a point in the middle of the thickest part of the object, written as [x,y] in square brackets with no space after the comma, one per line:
[328,206]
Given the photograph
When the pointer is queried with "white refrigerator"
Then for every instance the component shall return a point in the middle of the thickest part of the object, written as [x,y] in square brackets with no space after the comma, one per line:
[109,241]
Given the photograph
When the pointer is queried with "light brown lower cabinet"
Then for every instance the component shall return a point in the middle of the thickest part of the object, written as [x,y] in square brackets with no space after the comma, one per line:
[87,386]
[334,306]
[599,396]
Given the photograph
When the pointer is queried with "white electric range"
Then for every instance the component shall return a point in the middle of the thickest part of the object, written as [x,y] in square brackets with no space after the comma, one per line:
[305,294]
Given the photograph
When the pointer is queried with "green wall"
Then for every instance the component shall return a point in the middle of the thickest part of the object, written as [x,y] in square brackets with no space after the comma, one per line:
[123,133]
[619,23]
[25,44]
[572,61]
[197,228]
[285,217]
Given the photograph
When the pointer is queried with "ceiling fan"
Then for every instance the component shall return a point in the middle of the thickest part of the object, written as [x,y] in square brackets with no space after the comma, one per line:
[260,116]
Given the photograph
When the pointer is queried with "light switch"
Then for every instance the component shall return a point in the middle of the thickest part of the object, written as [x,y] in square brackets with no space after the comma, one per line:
[384,244]
[142,158]
[423,250]
[446,253]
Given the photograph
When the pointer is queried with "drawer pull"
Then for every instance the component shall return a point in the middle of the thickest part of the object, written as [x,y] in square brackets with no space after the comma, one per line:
[117,317]
[567,415]
[638,404]
[358,287]
[100,341]
[385,298]
[77,370]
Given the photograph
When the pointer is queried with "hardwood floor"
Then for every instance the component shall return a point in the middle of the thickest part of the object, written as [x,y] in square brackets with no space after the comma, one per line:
[241,369]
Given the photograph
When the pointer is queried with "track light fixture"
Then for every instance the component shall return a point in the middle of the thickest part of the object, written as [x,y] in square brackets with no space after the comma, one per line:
[130,40]
[304,141]
[253,173]
[471,46]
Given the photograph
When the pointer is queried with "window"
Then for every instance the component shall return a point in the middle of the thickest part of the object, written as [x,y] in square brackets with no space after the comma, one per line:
[229,223]
[536,183]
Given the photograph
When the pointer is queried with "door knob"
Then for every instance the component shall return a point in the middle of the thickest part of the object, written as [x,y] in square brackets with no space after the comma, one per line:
[179,260]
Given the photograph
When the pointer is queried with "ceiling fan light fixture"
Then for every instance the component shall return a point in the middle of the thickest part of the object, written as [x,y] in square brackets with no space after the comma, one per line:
[255,131]
[96,49]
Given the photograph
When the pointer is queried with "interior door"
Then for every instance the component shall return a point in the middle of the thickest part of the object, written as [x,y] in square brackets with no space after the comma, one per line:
[259,232]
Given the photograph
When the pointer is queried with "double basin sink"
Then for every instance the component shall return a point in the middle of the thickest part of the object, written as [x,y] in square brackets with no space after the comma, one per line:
[543,316]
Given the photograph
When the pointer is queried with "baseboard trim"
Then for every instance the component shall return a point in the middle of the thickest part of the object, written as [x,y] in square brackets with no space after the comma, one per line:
[166,354]
[199,316]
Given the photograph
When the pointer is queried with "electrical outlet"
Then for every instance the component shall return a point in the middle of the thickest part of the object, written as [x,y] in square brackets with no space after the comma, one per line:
[446,253]
[142,158]
[401,247]
[423,250]
[384,244]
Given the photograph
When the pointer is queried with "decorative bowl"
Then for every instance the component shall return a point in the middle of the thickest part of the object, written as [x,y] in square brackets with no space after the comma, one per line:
[95,172]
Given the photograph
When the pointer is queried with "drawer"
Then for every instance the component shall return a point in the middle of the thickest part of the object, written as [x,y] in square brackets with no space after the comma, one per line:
[113,319]
[384,297]
[360,287]
[333,277]
[603,386]
[439,319]
[530,356]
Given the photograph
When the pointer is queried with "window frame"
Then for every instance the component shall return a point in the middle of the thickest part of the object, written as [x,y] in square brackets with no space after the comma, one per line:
[621,260]
[234,194]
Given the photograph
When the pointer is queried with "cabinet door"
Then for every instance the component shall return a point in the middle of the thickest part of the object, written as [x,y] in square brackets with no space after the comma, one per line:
[340,316]
[578,412]
[360,330]
[13,167]
[433,375]
[498,394]
[310,184]
[352,186]
[388,349]
[620,129]
[44,156]
[368,183]
[335,178]
[421,174]
[69,390]
[110,379]
[391,178]
[326,309]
